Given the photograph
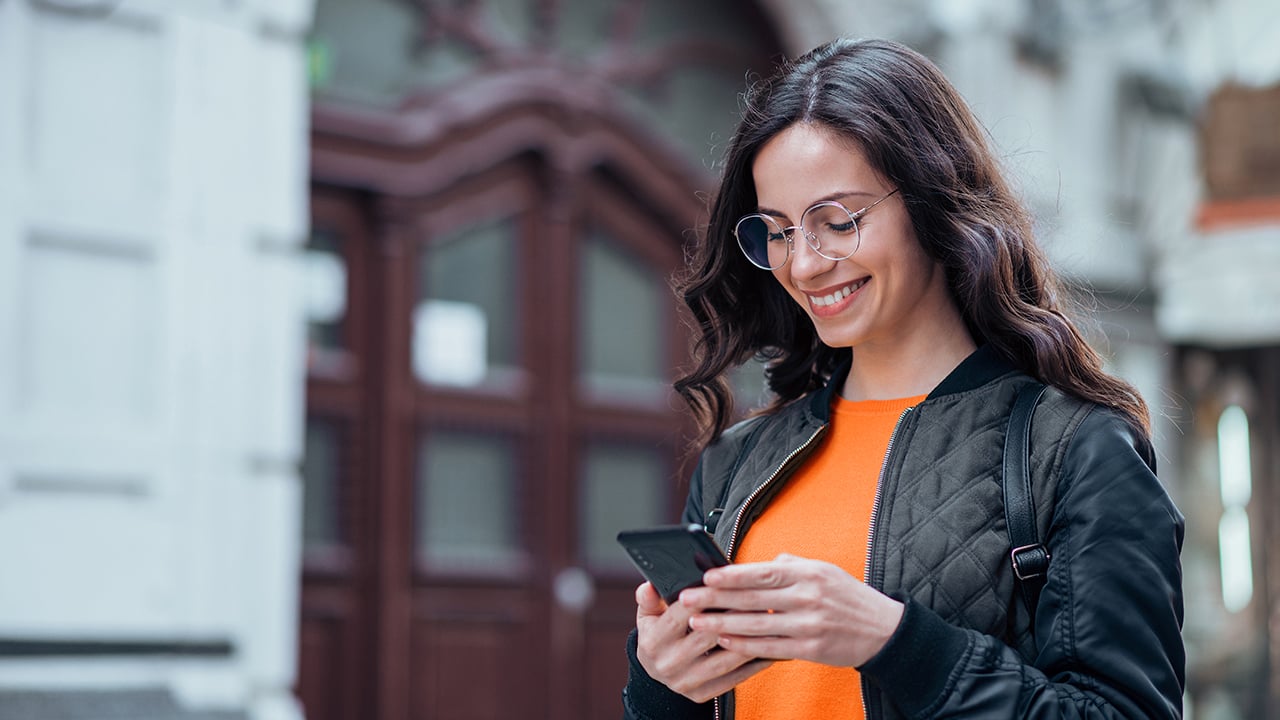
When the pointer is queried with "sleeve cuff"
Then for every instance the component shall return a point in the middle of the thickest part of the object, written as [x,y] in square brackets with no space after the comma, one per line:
[646,698]
[917,665]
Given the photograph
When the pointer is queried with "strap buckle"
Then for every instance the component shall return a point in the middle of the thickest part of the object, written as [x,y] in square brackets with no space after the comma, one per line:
[713,519]
[1029,561]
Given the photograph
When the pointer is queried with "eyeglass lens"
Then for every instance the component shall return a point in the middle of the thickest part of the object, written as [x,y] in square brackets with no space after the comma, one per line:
[829,228]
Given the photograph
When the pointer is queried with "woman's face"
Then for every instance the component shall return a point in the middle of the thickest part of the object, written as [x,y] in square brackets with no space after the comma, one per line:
[889,294]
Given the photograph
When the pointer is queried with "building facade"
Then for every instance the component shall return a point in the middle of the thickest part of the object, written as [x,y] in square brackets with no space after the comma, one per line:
[382,336]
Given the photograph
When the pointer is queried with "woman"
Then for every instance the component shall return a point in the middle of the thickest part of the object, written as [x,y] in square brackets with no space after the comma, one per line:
[865,244]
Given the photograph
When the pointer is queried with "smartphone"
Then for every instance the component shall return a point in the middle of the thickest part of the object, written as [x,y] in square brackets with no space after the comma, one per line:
[672,557]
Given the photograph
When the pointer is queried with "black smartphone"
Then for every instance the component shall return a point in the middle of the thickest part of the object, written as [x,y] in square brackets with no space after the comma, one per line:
[672,557]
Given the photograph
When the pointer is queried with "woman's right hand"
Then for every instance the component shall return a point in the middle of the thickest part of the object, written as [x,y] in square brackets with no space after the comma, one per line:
[689,662]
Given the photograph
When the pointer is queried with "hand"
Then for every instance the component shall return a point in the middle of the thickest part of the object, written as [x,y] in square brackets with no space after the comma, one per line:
[793,608]
[688,662]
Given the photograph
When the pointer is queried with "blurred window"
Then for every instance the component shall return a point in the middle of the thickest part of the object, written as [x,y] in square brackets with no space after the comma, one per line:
[1240,145]
[467,501]
[1235,480]
[621,308]
[326,290]
[322,466]
[621,490]
[464,324]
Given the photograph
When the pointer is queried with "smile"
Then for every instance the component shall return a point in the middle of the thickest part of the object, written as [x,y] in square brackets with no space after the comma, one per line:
[837,296]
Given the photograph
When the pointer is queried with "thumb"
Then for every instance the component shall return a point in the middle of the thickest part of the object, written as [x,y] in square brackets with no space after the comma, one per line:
[648,600]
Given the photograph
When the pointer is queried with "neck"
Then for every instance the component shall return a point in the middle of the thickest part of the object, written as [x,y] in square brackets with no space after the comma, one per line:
[880,372]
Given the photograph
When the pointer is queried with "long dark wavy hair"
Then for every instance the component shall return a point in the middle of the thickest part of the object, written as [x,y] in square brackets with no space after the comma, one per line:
[918,133]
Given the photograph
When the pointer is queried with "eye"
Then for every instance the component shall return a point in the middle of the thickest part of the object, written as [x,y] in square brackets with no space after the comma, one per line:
[842,228]
[778,237]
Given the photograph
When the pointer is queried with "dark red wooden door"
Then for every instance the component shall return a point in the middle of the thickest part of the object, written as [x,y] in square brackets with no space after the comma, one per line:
[506,411]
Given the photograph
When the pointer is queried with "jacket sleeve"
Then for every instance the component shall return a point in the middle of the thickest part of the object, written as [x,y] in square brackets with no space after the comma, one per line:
[645,698]
[1108,622]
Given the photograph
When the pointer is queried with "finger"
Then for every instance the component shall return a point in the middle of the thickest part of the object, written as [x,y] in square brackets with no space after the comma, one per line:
[670,625]
[724,683]
[648,600]
[754,624]
[702,678]
[718,664]
[774,648]
[753,600]
[673,658]
[749,575]
[694,644]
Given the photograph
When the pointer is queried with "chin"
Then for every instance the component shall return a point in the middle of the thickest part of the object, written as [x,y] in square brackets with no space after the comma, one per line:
[837,340]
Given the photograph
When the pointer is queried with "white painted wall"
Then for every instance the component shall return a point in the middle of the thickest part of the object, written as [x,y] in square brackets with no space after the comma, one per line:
[153,181]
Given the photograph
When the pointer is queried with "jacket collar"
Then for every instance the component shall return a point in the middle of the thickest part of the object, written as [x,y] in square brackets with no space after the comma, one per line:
[979,368]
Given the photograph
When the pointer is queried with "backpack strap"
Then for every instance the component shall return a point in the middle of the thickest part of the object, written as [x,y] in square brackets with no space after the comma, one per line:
[1029,557]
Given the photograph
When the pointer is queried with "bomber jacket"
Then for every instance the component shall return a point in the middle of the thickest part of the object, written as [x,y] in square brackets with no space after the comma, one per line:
[1104,639]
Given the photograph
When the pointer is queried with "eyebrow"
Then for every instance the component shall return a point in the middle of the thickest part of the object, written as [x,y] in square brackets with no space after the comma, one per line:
[838,195]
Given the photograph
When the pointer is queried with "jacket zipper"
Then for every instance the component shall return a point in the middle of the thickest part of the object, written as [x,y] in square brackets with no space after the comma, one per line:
[871,525]
[755,494]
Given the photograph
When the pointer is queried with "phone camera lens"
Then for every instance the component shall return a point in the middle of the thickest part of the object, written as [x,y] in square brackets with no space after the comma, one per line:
[640,558]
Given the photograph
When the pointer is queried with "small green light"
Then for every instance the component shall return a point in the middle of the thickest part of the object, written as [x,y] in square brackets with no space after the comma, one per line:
[319,63]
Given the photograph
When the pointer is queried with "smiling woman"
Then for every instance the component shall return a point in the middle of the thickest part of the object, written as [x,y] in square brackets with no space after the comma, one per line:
[865,510]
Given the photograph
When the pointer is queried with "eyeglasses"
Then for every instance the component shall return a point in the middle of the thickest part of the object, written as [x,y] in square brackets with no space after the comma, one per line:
[829,228]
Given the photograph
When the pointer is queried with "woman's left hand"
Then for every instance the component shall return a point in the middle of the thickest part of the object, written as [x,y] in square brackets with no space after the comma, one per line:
[794,608]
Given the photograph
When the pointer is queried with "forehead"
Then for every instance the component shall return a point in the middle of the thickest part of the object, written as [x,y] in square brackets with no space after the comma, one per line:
[807,162]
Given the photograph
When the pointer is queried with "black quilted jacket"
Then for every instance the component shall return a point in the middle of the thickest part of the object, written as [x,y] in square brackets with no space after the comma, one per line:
[1104,640]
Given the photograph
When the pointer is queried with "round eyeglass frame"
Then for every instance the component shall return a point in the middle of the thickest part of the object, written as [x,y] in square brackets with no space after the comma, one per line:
[809,237]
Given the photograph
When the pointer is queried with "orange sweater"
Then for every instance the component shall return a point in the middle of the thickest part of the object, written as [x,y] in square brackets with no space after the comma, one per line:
[823,513]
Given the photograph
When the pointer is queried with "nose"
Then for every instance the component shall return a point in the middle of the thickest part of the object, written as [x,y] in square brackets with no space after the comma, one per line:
[805,261]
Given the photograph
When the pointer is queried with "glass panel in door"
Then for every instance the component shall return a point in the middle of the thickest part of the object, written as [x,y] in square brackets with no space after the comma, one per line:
[322,487]
[621,310]
[325,286]
[622,488]
[467,502]
[465,329]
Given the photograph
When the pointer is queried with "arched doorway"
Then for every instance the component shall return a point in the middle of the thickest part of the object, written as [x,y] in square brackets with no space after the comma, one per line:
[494,339]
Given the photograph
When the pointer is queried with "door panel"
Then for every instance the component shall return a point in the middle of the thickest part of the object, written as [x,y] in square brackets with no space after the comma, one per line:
[471,653]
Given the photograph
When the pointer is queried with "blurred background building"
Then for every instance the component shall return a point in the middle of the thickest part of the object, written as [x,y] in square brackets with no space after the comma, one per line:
[336,336]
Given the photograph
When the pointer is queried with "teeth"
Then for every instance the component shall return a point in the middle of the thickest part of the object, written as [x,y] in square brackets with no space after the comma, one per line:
[837,296]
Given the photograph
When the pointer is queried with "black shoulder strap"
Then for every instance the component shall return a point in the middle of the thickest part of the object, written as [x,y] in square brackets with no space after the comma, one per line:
[1029,556]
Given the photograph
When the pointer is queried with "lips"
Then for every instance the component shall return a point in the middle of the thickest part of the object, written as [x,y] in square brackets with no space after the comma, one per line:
[836,296]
